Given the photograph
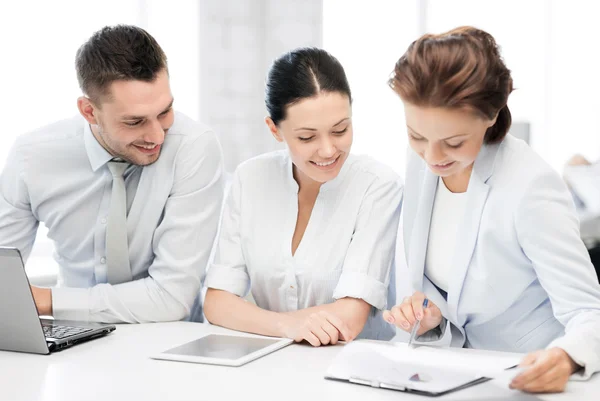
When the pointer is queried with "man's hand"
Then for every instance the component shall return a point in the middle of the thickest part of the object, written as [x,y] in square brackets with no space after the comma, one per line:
[43,300]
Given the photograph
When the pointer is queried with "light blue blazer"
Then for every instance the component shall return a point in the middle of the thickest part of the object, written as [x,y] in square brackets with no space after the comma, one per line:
[522,276]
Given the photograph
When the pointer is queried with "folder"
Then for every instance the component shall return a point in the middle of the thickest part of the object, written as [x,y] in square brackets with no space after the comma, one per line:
[422,370]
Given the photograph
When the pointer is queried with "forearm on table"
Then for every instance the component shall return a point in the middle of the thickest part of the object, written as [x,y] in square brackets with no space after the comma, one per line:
[225,309]
[138,301]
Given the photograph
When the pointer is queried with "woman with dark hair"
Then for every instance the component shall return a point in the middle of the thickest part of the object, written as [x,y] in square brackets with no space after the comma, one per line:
[310,230]
[490,234]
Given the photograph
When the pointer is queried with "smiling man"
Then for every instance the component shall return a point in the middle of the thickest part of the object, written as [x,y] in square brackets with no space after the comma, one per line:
[129,189]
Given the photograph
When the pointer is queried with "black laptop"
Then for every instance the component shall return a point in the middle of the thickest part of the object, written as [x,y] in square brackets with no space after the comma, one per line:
[20,327]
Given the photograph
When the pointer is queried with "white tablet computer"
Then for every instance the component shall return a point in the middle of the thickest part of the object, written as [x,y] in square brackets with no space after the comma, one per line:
[224,349]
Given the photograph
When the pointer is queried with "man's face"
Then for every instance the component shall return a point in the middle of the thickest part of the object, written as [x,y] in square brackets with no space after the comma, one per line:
[132,121]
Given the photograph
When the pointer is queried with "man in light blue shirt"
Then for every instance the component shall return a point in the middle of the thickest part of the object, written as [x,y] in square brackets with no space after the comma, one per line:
[62,175]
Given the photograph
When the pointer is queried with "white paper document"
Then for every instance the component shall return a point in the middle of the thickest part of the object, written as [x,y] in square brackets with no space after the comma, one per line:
[423,369]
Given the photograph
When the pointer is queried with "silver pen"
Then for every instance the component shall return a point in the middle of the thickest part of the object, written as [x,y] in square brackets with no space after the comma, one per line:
[415,329]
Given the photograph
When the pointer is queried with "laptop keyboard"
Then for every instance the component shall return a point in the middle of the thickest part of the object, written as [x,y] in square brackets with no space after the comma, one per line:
[58,332]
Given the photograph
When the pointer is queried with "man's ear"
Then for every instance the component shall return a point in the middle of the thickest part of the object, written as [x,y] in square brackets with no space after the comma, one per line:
[87,109]
[273,129]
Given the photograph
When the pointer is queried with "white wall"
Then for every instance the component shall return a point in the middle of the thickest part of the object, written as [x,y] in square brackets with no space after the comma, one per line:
[239,39]
[573,86]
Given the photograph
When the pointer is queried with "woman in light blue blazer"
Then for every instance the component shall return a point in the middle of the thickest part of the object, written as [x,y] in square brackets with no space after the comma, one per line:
[490,233]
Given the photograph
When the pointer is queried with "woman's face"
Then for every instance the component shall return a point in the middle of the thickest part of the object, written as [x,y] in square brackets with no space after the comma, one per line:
[318,135]
[448,140]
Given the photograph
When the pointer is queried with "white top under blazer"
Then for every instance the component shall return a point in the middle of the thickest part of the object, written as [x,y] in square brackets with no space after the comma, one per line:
[448,210]
[346,251]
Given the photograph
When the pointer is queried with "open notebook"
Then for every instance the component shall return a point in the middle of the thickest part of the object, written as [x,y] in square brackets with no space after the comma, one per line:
[423,370]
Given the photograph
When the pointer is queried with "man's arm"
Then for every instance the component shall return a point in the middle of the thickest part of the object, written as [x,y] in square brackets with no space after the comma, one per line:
[182,244]
[18,225]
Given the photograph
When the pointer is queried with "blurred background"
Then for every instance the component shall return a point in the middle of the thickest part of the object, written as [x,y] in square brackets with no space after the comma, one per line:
[219,52]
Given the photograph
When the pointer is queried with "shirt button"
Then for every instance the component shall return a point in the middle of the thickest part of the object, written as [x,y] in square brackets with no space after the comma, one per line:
[103,260]
[103,221]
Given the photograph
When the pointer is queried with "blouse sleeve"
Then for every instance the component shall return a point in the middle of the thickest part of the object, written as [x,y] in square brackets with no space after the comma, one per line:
[228,270]
[370,255]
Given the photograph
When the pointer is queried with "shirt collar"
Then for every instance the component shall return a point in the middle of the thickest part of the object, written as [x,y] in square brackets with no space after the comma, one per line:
[96,153]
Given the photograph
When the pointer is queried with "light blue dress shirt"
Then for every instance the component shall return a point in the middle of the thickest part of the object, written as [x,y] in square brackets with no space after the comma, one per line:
[58,175]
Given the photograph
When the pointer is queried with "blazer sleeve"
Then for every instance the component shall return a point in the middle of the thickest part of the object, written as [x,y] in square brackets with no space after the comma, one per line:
[548,231]
[447,334]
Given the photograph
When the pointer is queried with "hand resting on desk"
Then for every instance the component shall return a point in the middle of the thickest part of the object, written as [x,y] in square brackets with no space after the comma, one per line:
[319,328]
[547,371]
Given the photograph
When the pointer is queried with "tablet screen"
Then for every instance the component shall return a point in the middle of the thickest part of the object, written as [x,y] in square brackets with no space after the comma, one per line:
[222,347]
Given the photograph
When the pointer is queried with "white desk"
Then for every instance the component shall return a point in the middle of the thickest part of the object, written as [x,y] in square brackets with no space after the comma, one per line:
[117,367]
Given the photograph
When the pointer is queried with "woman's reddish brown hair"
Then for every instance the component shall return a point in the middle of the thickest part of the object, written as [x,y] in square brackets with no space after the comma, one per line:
[459,69]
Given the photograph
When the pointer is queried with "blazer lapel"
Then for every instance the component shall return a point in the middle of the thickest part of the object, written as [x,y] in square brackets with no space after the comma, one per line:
[420,232]
[468,231]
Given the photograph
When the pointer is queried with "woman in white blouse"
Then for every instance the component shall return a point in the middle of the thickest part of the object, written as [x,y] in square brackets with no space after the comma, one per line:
[309,230]
[491,237]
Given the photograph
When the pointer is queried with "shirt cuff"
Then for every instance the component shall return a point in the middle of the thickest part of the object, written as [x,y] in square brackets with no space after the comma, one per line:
[227,279]
[435,333]
[361,286]
[579,353]
[71,303]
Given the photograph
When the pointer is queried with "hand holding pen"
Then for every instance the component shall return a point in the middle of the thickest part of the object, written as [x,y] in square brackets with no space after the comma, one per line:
[411,310]
[417,325]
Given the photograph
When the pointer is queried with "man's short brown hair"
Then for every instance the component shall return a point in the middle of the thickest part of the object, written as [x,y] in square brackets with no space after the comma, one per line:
[122,52]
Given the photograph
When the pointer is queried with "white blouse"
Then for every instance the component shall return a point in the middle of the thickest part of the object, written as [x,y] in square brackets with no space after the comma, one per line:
[448,211]
[347,249]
